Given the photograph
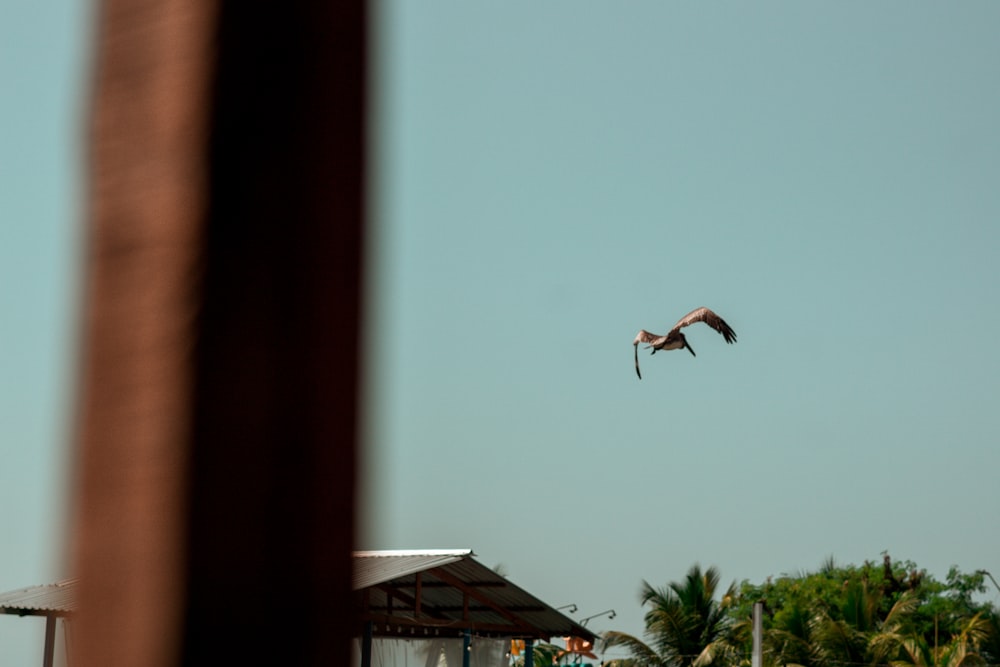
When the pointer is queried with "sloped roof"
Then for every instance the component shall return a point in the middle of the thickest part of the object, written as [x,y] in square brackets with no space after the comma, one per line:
[445,592]
[376,567]
[58,599]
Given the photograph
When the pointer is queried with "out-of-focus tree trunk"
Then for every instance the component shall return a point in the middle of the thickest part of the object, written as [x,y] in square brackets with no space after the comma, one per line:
[217,421]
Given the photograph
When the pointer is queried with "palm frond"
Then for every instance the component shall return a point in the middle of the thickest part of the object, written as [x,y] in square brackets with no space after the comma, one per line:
[642,653]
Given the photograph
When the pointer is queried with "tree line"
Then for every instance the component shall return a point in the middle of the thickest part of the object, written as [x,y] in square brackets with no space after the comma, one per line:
[888,614]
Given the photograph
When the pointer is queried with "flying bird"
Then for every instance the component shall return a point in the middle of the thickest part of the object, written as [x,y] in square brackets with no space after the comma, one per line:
[675,340]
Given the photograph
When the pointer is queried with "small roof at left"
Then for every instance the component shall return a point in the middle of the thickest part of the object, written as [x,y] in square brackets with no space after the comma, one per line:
[58,599]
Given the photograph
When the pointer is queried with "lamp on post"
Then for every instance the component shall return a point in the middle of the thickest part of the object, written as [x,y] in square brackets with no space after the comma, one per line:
[609,612]
[984,572]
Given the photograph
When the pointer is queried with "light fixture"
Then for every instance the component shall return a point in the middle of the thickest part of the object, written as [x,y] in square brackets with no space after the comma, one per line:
[984,572]
[609,612]
[570,607]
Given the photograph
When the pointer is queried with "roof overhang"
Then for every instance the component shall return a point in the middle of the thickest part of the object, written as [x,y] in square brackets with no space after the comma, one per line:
[58,599]
[446,592]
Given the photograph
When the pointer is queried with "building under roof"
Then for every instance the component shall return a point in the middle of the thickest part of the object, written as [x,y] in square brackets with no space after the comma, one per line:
[431,594]
[446,593]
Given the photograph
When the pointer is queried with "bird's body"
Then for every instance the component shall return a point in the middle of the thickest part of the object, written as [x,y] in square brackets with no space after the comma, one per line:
[675,340]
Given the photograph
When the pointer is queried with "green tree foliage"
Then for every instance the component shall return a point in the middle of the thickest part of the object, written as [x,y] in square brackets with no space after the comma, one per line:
[890,614]
[685,625]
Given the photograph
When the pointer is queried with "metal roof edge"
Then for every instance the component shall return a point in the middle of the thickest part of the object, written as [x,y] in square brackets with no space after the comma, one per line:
[55,599]
[374,567]
[414,552]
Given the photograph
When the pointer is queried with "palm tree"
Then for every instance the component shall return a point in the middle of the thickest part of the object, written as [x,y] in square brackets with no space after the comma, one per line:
[850,632]
[789,639]
[850,617]
[858,634]
[895,630]
[841,635]
[685,625]
[962,649]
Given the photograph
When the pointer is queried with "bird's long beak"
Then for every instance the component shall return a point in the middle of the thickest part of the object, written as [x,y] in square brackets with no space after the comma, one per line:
[690,349]
[637,361]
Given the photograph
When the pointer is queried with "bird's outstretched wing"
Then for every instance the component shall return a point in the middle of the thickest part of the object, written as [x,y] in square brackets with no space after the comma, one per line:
[645,337]
[711,319]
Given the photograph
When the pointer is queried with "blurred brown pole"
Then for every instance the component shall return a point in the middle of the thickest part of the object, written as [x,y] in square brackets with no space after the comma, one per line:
[214,514]
[148,197]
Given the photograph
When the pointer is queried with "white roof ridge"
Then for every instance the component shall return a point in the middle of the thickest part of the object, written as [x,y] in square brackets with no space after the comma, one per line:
[414,552]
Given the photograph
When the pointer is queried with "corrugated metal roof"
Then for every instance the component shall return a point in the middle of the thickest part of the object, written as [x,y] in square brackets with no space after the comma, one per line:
[58,599]
[442,593]
[403,593]
[375,567]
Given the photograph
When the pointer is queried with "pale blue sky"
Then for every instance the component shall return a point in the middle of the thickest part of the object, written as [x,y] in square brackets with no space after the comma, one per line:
[43,70]
[554,176]
[557,175]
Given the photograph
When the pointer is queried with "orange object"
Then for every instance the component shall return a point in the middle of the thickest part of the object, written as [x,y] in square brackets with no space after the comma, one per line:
[579,646]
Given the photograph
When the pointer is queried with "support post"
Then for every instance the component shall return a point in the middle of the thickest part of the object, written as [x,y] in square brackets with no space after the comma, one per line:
[467,648]
[50,640]
[366,645]
[529,652]
[757,657]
